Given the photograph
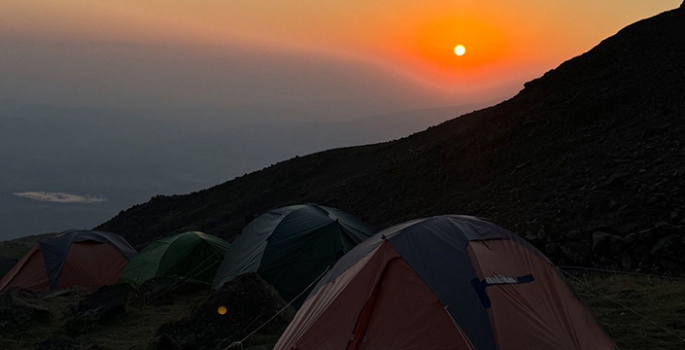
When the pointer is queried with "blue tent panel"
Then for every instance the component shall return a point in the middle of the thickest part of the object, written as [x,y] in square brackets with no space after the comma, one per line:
[55,249]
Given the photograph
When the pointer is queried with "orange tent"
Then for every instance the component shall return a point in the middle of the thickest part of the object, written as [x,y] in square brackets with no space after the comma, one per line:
[72,258]
[447,282]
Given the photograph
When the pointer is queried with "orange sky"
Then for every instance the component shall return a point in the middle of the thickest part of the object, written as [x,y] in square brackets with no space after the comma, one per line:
[506,41]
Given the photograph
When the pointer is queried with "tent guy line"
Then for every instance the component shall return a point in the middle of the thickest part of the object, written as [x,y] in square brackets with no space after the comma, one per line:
[240,342]
[671,332]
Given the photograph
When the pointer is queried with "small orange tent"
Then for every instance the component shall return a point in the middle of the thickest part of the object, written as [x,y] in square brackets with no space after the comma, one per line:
[72,258]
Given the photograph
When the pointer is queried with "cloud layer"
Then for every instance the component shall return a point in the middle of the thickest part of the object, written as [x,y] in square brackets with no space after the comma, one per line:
[59,197]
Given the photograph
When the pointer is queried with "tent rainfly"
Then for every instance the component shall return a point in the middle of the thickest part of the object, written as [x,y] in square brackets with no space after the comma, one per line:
[72,258]
[192,255]
[447,282]
[291,246]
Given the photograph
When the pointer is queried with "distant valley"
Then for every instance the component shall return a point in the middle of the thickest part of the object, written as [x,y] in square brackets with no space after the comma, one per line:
[77,167]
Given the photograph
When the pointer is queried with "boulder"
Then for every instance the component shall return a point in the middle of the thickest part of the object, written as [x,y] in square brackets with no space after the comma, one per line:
[600,242]
[542,234]
[552,250]
[615,182]
[165,342]
[631,227]
[106,304]
[575,235]
[597,201]
[647,236]
[667,247]
[627,260]
[533,239]
[642,254]
[164,290]
[599,226]
[657,199]
[616,245]
[674,217]
[20,308]
[631,239]
[245,304]
[576,253]
[664,229]
[60,343]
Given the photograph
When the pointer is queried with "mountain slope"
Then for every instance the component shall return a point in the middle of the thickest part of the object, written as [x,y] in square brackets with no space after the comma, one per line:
[587,162]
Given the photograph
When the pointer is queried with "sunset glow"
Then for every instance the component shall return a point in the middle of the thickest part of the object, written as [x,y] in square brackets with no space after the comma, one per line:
[508,43]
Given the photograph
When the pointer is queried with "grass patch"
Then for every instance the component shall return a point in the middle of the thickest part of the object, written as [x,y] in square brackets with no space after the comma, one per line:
[134,332]
[138,330]
[640,313]
[611,299]
[37,332]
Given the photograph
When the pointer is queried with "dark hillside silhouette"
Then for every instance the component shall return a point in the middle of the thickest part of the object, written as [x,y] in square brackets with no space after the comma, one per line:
[587,162]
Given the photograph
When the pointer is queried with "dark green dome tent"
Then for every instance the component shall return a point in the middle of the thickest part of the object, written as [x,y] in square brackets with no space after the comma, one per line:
[290,247]
[193,255]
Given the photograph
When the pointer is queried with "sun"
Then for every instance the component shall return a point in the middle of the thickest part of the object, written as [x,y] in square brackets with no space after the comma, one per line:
[460,50]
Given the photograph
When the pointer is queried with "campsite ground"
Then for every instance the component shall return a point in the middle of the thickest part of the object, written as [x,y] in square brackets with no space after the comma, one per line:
[136,331]
[638,312]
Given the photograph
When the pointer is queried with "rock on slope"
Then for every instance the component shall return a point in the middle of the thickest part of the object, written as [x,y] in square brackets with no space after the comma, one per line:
[587,162]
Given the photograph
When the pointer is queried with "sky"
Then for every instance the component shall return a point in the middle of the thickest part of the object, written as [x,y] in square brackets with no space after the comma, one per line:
[104,104]
[323,59]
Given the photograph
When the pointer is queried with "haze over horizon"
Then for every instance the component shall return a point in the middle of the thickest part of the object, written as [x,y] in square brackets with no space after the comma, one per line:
[302,55]
[103,105]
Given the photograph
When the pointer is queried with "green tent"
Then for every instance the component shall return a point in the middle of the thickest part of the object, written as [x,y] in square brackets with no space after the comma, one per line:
[291,246]
[193,255]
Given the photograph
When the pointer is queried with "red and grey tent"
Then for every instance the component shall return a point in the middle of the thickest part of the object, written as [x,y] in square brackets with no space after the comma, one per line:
[447,282]
[72,258]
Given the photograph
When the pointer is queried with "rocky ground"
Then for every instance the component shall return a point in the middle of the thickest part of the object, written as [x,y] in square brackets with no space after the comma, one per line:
[163,314]
[249,303]
[639,313]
